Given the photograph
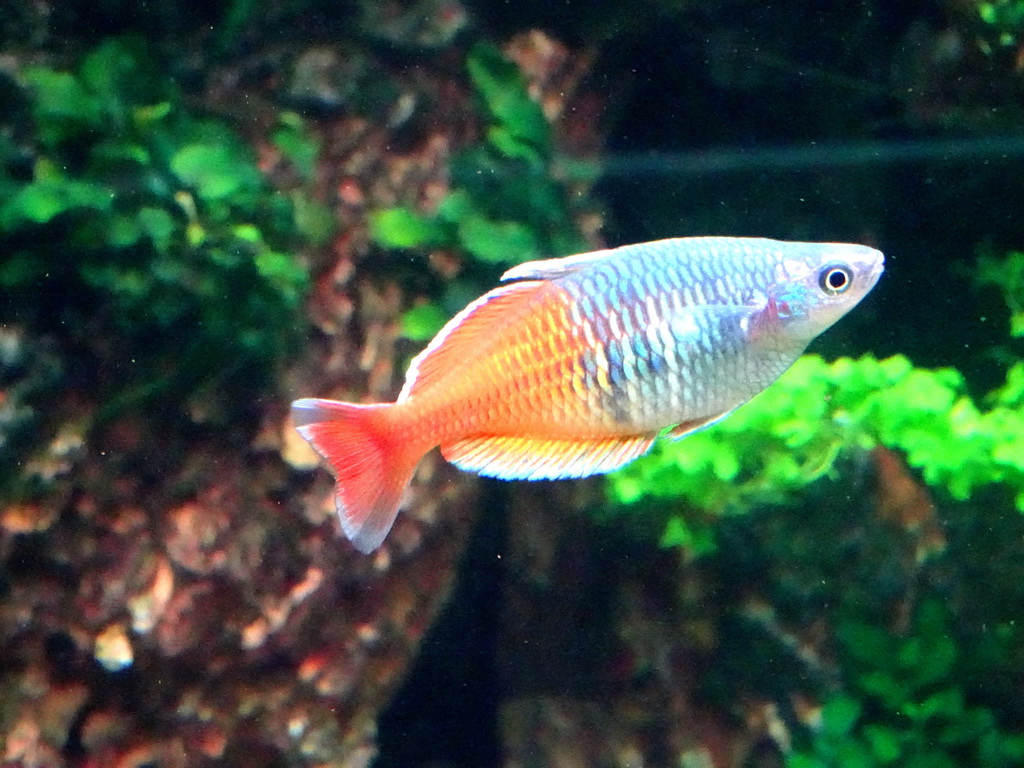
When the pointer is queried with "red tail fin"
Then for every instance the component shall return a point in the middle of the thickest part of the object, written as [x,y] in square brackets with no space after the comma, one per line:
[372,463]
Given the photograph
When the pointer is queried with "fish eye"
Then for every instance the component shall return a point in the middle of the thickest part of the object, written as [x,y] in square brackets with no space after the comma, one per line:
[835,279]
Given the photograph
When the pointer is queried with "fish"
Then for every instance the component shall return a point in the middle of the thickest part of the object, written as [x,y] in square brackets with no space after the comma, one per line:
[574,366]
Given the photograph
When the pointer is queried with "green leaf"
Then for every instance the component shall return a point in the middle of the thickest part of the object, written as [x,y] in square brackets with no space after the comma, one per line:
[947,703]
[512,146]
[883,685]
[423,321]
[456,206]
[124,231]
[1011,748]
[18,269]
[214,170]
[63,108]
[795,431]
[698,540]
[250,233]
[967,726]
[126,283]
[284,272]
[239,14]
[851,753]
[839,715]
[109,71]
[403,228]
[195,234]
[866,642]
[497,241]
[146,116]
[159,226]
[43,200]
[192,221]
[118,152]
[34,203]
[886,742]
[503,88]
[298,146]
[934,660]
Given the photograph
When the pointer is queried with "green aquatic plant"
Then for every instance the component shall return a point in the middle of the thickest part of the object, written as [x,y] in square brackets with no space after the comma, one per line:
[887,622]
[506,205]
[1005,273]
[146,237]
[905,703]
[793,433]
[1002,23]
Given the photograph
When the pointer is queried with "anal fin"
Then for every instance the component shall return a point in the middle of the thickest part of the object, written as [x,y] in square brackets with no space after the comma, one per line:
[542,458]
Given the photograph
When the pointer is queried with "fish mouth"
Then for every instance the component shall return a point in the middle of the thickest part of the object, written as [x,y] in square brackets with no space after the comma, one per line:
[869,261]
[878,267]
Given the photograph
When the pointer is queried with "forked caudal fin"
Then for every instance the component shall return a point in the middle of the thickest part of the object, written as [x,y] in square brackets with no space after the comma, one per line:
[370,460]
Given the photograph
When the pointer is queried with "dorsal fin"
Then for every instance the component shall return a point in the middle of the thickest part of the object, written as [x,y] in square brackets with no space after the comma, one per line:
[461,338]
[549,269]
[538,458]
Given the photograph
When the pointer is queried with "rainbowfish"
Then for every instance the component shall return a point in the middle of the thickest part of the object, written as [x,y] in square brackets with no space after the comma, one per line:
[578,364]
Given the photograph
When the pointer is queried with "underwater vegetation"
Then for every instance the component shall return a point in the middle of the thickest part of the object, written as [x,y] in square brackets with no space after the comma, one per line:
[505,205]
[173,589]
[816,413]
[885,625]
[127,216]
[906,704]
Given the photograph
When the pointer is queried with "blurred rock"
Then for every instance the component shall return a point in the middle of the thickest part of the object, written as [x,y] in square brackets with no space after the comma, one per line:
[421,25]
[179,595]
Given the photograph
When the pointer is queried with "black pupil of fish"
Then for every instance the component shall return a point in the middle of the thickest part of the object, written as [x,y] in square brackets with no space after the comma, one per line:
[836,279]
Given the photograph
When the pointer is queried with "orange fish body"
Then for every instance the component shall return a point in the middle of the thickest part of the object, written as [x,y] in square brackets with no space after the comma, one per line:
[575,368]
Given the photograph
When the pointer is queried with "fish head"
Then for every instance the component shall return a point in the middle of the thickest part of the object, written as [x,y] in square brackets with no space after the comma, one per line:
[817,283]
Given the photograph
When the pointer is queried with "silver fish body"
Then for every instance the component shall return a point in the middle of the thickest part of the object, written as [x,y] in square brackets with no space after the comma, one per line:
[681,331]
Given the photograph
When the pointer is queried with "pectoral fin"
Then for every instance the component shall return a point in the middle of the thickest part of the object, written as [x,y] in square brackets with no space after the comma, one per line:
[687,428]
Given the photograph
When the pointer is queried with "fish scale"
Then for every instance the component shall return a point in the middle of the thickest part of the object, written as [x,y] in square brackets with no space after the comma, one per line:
[575,365]
[659,356]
